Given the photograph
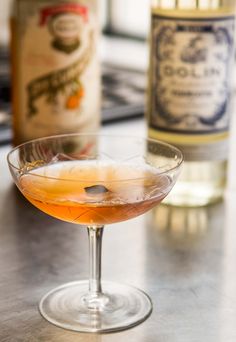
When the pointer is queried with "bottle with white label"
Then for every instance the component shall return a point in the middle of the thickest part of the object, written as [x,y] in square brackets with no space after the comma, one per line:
[55,67]
[190,91]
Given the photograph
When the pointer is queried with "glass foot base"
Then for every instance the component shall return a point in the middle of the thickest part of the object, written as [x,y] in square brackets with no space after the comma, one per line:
[119,308]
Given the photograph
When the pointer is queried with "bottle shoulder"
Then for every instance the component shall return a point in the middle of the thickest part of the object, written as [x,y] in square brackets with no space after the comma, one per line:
[193,13]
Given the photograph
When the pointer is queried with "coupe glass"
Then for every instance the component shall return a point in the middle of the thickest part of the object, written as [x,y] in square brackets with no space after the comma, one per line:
[94,180]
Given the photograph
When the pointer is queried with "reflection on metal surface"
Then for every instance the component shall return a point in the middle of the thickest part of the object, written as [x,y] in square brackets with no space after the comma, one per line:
[181,221]
[228,291]
[184,269]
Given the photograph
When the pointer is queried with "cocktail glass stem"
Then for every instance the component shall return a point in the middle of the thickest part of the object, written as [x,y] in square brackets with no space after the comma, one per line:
[95,299]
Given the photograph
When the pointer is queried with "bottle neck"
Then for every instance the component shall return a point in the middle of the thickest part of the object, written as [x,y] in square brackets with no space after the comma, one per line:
[201,5]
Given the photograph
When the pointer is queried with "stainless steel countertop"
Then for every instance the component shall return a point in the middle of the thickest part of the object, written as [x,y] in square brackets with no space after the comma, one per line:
[185,259]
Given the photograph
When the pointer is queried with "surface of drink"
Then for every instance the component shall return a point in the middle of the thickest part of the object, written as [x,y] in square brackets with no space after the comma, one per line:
[55,68]
[190,90]
[93,192]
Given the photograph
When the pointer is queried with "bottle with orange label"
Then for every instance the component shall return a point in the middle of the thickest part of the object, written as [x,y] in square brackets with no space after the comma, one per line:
[55,67]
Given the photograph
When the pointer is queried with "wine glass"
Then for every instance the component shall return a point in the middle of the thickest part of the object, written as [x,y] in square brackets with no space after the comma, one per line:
[93,180]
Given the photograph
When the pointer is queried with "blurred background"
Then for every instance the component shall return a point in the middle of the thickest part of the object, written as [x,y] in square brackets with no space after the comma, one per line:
[124,52]
[118,17]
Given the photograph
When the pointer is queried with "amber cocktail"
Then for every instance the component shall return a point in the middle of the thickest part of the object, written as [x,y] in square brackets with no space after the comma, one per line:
[101,197]
[95,180]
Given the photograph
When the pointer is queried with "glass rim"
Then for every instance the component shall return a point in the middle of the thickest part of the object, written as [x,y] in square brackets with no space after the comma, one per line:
[141,138]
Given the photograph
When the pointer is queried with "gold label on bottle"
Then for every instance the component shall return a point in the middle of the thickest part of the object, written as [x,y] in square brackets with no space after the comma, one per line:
[57,82]
[190,81]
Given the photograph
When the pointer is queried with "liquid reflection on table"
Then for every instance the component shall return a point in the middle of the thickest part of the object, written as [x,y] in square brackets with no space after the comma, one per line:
[181,221]
[195,259]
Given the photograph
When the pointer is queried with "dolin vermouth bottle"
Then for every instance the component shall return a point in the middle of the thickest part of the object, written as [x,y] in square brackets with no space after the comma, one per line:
[55,68]
[190,91]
